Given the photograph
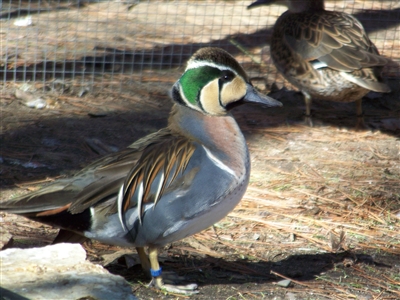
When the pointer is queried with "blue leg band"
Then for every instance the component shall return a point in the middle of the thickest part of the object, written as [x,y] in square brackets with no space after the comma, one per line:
[156,273]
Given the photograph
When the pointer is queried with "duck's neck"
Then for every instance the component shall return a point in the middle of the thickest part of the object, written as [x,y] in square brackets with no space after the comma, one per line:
[297,6]
[203,128]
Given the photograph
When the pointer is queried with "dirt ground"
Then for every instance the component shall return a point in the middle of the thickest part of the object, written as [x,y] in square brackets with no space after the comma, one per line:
[308,185]
[322,208]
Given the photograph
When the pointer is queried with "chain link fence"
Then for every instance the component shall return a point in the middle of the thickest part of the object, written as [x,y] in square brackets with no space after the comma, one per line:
[112,43]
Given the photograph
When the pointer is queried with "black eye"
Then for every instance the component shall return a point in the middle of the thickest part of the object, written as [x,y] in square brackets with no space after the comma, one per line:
[227,76]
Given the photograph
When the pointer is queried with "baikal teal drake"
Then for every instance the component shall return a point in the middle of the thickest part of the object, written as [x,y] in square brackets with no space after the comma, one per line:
[168,185]
[325,54]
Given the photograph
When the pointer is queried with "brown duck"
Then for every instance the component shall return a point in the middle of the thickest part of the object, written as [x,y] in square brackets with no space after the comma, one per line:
[326,54]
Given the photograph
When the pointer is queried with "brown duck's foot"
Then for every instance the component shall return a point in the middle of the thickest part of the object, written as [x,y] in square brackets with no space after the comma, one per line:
[308,120]
[189,289]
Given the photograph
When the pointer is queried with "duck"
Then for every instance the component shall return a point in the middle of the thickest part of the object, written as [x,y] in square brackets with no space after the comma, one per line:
[167,185]
[327,55]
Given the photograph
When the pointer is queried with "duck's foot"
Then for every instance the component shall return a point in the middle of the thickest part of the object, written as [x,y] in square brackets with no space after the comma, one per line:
[170,277]
[189,289]
[157,280]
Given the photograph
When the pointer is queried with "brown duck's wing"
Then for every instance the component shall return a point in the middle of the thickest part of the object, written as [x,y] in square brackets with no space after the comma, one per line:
[335,39]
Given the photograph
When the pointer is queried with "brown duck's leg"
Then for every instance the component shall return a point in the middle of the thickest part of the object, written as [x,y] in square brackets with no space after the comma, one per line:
[144,260]
[157,280]
[360,116]
[308,102]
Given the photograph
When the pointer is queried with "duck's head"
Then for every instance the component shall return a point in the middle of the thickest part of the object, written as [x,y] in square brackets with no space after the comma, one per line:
[214,82]
[294,6]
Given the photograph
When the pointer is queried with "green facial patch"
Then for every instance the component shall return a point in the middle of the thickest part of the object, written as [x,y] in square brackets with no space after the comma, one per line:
[193,80]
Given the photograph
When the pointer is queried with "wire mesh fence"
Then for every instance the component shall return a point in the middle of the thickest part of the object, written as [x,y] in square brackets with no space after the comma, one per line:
[103,43]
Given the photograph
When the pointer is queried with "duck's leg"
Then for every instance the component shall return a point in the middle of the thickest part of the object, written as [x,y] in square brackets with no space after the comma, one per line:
[360,115]
[157,280]
[308,102]
[144,260]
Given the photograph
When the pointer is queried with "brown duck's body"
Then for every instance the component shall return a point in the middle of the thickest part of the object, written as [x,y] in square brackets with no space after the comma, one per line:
[326,54]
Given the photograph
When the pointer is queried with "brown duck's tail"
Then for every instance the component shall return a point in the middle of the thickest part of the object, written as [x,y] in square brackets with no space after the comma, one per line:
[367,78]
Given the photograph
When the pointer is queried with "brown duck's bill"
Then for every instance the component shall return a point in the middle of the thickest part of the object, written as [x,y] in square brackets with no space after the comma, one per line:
[259,3]
[253,96]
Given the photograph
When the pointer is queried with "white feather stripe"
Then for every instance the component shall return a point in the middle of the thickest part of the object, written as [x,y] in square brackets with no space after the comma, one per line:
[119,204]
[160,185]
[140,201]
[187,102]
[219,163]
[200,63]
[318,65]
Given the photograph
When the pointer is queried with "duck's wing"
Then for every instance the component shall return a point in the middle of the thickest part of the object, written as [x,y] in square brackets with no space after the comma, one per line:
[333,39]
[145,167]
[160,161]
[96,181]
